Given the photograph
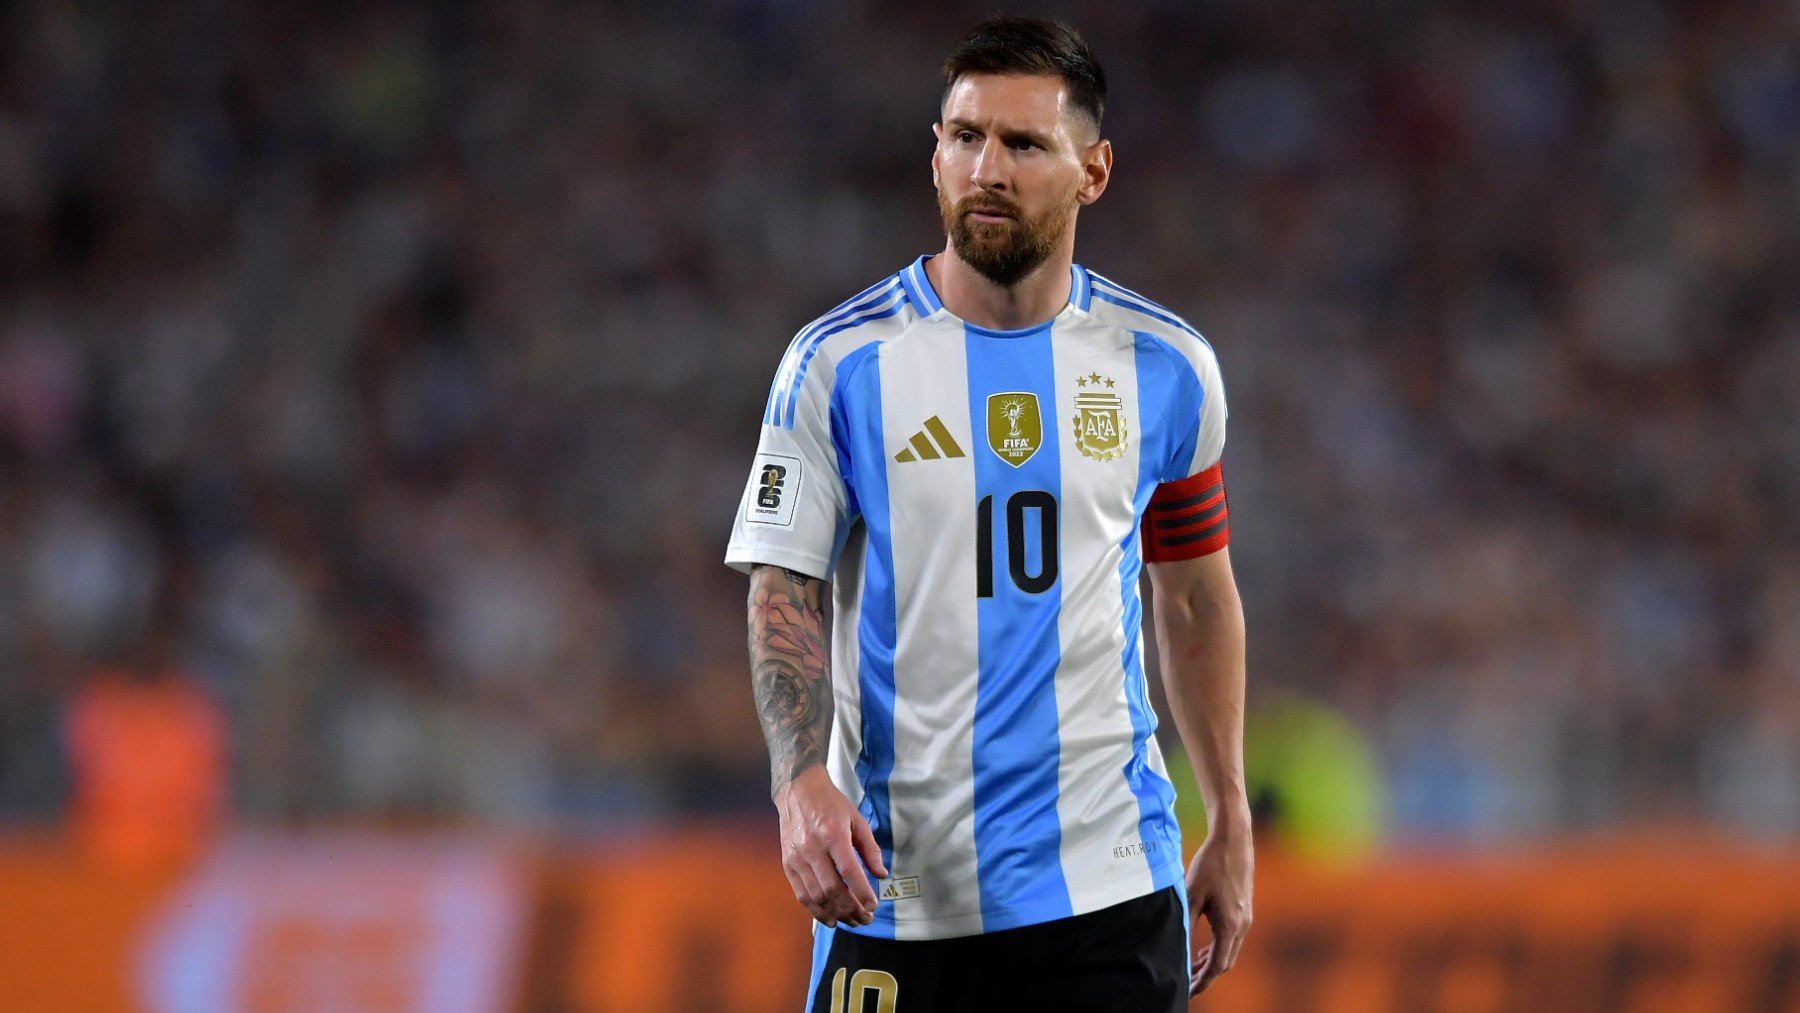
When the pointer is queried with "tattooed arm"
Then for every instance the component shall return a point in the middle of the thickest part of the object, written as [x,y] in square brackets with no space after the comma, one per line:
[790,670]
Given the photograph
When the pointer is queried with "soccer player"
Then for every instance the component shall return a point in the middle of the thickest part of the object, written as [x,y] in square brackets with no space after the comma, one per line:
[978,454]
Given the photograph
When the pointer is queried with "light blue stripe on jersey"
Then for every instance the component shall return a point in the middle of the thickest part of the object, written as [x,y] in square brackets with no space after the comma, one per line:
[1018,835]
[919,286]
[878,307]
[885,301]
[1113,292]
[1081,289]
[1187,932]
[1119,295]
[778,386]
[822,937]
[1160,383]
[862,458]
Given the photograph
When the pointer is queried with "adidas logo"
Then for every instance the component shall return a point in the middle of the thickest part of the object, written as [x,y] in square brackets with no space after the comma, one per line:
[922,448]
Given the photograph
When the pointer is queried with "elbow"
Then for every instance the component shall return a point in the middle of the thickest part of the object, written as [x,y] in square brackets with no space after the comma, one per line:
[1212,610]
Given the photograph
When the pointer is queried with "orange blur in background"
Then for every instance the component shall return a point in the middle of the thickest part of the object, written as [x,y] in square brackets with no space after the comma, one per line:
[148,759]
[700,919]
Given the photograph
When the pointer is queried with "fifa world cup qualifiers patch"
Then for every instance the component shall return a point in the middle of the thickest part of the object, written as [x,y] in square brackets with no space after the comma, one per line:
[775,484]
[1187,519]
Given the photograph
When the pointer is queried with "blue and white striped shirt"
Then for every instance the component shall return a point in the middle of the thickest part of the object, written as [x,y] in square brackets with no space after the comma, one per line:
[976,497]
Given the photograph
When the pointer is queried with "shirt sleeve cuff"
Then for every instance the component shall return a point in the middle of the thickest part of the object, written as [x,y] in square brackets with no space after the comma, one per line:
[742,557]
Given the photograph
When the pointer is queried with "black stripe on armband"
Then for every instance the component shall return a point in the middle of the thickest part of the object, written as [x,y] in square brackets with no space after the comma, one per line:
[1198,536]
[1192,501]
[1187,522]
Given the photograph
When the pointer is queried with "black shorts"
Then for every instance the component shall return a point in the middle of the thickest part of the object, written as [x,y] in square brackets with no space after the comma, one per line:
[1131,957]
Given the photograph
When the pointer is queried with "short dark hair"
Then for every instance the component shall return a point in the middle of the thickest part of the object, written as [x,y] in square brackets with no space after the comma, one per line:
[1011,45]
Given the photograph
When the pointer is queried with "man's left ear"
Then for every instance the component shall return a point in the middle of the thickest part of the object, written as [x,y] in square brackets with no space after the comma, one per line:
[1096,170]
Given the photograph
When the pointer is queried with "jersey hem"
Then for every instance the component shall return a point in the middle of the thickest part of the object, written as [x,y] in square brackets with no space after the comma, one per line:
[978,923]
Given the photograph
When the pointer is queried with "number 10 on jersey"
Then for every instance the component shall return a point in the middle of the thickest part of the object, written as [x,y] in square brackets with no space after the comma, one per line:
[1023,508]
[886,989]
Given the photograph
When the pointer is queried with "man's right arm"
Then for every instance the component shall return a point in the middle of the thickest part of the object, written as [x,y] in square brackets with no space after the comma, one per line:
[821,832]
[790,669]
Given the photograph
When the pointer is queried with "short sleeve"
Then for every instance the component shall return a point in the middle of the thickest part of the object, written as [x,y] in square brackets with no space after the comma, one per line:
[1201,411]
[1188,515]
[795,509]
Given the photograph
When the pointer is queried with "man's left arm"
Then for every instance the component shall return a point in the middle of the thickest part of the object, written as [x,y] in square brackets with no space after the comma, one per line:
[1200,638]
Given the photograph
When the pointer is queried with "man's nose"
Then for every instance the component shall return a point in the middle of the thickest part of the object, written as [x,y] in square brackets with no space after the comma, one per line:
[992,169]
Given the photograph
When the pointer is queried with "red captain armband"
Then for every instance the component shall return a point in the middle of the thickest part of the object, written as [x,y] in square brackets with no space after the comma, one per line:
[1187,519]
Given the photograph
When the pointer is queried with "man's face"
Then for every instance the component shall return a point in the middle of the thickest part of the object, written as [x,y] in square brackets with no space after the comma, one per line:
[1013,163]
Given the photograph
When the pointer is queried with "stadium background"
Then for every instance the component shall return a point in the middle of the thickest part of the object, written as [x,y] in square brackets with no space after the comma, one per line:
[377,383]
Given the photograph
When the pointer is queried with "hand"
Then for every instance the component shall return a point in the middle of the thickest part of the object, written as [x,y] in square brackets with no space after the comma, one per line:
[1219,887]
[821,836]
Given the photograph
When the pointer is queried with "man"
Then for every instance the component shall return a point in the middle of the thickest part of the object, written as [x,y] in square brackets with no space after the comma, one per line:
[979,453]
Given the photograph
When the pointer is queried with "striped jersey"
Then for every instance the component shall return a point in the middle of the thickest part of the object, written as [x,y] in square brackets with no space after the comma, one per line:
[978,499]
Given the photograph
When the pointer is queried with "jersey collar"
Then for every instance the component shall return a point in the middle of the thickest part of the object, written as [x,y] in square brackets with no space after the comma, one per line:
[925,299]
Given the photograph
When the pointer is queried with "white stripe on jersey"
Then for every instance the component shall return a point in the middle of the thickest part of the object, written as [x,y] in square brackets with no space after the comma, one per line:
[846,661]
[932,788]
[1098,809]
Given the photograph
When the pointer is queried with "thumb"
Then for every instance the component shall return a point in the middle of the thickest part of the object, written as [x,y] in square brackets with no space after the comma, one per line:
[864,838]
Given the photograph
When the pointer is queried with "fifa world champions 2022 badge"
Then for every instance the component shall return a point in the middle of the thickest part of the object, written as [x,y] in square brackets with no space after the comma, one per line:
[1100,431]
[1015,427]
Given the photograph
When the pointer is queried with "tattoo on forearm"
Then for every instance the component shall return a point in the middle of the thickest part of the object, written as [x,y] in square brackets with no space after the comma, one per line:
[790,669]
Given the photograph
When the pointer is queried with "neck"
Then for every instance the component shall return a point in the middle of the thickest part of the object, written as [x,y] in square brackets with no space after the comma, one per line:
[972,296]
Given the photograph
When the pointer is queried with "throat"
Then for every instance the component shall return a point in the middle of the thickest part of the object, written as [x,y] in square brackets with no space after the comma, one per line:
[971,296]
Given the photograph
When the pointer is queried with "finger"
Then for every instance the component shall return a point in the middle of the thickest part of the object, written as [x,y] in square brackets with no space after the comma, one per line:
[855,880]
[834,898]
[1225,932]
[807,892]
[1198,973]
[1238,932]
[1214,967]
[863,836]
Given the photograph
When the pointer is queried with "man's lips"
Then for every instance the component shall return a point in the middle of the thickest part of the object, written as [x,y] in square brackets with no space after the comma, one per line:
[988,215]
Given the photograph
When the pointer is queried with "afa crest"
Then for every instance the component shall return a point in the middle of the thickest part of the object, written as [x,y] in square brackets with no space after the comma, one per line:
[1100,431]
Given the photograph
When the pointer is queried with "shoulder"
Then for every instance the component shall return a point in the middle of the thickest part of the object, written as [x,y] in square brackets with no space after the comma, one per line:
[1155,324]
[878,312]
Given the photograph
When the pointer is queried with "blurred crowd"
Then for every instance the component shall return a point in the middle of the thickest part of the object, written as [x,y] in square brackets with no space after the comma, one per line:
[389,374]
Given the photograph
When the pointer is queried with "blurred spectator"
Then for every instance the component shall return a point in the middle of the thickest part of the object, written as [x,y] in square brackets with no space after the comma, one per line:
[1314,786]
[148,748]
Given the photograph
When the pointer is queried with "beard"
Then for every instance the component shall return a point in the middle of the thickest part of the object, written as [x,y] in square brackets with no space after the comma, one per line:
[1004,252]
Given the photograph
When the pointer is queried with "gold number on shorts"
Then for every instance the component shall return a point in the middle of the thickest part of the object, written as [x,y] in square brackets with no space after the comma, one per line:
[887,990]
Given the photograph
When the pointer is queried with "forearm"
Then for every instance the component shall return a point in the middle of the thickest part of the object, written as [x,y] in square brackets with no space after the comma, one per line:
[790,670]
[1200,637]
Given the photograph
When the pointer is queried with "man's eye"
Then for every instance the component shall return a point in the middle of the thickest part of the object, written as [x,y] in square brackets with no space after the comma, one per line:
[965,136]
[1023,145]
